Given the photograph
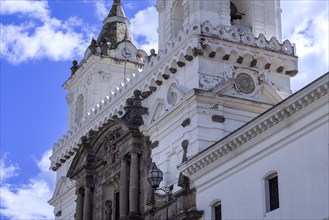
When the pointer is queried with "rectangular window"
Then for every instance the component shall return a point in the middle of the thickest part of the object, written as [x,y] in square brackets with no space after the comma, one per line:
[273,193]
[218,212]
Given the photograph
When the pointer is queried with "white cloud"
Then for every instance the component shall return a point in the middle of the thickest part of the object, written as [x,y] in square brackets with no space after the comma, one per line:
[29,201]
[129,5]
[41,36]
[306,24]
[101,10]
[7,171]
[144,26]
[37,9]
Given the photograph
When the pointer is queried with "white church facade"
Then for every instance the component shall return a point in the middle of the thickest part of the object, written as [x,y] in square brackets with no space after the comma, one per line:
[212,109]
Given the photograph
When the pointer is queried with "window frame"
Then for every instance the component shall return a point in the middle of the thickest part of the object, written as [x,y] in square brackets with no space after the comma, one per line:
[272,192]
[214,205]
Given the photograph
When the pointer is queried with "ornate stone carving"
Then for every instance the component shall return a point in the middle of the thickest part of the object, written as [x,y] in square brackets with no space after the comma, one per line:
[244,83]
[74,67]
[108,210]
[134,109]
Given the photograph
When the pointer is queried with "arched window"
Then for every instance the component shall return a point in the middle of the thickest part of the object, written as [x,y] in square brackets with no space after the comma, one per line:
[216,210]
[235,14]
[177,18]
[79,109]
[240,12]
[272,192]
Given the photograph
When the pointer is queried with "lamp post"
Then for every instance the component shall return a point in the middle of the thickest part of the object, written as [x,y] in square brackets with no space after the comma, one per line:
[155,176]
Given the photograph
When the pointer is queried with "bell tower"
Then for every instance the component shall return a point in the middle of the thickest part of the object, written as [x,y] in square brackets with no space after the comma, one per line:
[107,66]
[257,17]
[220,64]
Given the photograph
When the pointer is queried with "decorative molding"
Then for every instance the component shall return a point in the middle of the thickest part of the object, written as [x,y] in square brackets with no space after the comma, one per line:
[277,114]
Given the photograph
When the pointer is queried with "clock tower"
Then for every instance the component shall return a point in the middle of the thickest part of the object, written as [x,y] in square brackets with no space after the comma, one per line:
[108,65]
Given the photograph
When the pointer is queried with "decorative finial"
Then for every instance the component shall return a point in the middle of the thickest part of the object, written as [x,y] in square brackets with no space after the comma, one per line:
[117,2]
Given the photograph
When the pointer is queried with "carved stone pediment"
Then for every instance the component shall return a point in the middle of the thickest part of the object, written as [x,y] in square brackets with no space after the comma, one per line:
[114,156]
[248,85]
[98,149]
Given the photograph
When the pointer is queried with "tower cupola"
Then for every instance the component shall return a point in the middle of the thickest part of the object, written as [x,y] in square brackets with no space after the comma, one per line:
[116,28]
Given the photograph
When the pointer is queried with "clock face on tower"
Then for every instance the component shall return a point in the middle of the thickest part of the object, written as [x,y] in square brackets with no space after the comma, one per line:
[126,53]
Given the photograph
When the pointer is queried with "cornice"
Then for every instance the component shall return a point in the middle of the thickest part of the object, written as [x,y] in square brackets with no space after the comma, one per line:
[86,65]
[202,96]
[318,90]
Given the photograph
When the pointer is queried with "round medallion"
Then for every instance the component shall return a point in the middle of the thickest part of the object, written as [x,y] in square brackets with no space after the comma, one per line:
[171,95]
[244,83]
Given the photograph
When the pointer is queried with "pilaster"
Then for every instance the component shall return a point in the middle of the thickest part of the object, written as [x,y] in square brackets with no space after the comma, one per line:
[124,189]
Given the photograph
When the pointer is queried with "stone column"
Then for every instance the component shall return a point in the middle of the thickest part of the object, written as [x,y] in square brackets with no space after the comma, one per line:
[123,189]
[133,186]
[87,203]
[79,205]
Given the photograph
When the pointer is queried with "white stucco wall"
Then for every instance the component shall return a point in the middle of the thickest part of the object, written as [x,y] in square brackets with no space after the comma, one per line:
[298,153]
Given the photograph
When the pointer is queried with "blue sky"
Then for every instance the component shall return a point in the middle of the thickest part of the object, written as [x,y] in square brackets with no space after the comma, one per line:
[39,40]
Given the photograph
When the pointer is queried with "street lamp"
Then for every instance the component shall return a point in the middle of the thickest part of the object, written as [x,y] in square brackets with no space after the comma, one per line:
[155,176]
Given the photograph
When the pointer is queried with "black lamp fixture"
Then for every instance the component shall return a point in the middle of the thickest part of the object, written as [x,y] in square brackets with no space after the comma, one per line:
[155,176]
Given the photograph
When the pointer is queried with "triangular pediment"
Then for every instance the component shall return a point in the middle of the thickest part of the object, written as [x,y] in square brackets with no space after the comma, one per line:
[157,110]
[61,187]
[261,93]
[270,94]
[78,162]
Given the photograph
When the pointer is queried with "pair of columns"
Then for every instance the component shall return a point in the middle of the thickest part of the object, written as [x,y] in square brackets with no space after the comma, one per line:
[128,192]
[129,188]
[84,203]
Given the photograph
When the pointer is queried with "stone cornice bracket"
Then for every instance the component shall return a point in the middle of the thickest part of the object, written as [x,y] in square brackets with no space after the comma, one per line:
[154,144]
[197,51]
[186,122]
[183,181]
